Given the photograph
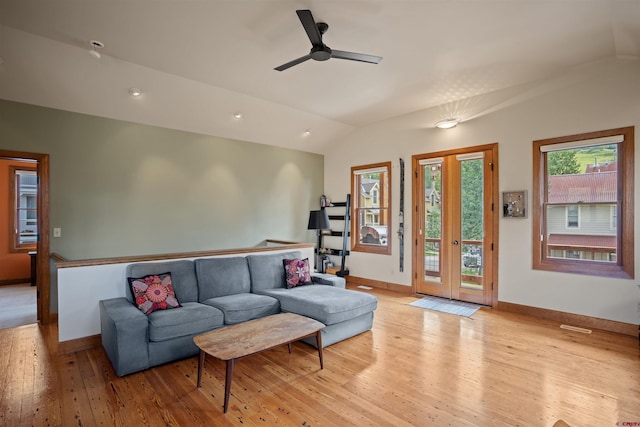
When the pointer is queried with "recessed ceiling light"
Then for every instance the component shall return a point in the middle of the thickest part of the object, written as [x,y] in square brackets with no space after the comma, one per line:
[237,116]
[134,91]
[95,45]
[447,123]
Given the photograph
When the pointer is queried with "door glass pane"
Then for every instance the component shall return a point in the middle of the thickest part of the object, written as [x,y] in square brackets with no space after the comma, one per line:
[472,226]
[581,203]
[433,220]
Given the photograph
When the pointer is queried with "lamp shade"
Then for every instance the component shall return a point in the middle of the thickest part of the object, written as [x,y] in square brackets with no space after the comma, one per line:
[318,220]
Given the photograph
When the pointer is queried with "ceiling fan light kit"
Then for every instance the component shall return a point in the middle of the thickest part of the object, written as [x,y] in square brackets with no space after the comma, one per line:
[447,123]
[320,51]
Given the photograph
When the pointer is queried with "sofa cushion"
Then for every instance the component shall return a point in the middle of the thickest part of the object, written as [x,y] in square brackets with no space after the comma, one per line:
[183,277]
[324,303]
[328,279]
[242,307]
[296,272]
[153,292]
[266,270]
[222,276]
[190,319]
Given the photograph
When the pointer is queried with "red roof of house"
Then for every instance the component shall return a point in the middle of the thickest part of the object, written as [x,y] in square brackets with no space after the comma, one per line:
[582,241]
[583,188]
[601,167]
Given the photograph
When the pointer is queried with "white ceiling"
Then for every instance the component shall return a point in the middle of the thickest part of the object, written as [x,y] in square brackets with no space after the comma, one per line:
[198,62]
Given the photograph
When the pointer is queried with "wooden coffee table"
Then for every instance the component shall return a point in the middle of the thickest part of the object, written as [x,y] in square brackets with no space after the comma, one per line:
[236,341]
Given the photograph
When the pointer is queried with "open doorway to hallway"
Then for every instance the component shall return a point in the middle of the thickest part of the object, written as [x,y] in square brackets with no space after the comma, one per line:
[18,242]
[24,235]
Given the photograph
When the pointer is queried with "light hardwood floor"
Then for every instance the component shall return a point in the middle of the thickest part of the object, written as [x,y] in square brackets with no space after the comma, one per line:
[17,305]
[416,367]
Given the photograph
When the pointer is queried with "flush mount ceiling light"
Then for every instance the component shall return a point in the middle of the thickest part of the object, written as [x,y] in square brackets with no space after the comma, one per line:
[134,91]
[447,123]
[237,116]
[307,132]
[95,45]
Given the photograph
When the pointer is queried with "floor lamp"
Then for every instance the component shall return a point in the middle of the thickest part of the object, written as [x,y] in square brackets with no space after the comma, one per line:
[318,220]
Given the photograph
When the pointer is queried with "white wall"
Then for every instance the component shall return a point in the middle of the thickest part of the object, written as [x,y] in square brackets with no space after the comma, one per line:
[601,96]
[81,288]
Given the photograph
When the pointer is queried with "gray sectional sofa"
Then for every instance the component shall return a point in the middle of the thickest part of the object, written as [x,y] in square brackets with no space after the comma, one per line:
[214,292]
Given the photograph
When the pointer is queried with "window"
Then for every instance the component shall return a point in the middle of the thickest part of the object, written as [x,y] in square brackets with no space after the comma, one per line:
[572,254]
[583,203]
[614,218]
[573,216]
[23,205]
[371,210]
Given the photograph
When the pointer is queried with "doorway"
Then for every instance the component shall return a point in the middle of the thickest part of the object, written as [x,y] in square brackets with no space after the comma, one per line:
[456,223]
[42,270]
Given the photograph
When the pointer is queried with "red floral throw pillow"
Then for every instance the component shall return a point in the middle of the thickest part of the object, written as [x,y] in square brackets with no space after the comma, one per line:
[296,272]
[153,292]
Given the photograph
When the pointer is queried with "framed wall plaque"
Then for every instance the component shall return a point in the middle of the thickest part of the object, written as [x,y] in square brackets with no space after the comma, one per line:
[514,204]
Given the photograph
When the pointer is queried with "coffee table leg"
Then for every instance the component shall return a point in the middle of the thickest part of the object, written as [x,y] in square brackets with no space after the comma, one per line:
[289,345]
[319,343]
[200,367]
[227,383]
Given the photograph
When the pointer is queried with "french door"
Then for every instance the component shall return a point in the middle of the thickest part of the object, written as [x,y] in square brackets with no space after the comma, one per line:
[455,224]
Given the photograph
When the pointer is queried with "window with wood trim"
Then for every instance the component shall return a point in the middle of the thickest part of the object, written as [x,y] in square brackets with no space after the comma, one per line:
[371,208]
[583,207]
[23,204]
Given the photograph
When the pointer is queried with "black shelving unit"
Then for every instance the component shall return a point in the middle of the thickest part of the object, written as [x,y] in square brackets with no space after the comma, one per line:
[344,216]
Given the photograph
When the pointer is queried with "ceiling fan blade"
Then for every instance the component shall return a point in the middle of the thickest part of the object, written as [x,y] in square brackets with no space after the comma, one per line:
[292,63]
[309,24]
[340,54]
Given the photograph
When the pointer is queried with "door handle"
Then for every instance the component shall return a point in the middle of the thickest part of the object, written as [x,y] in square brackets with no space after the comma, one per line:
[455,242]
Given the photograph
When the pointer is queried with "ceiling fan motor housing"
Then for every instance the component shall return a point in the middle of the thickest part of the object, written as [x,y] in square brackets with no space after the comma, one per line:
[320,53]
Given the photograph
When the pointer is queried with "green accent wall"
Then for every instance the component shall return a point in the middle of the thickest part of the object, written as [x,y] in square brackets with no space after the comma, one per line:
[119,188]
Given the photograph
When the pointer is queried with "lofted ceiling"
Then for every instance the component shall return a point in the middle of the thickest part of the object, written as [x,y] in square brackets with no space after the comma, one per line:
[199,62]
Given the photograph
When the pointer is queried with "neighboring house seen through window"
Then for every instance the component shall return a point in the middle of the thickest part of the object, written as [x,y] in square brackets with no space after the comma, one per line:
[583,203]
[371,214]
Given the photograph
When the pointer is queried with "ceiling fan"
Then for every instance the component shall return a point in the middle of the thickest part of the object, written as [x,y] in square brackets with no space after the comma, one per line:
[319,50]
